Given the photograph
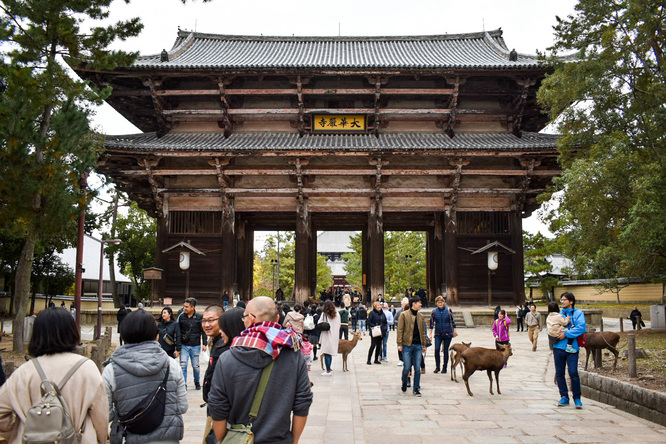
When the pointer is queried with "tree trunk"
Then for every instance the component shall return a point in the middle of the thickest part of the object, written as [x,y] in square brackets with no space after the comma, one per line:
[22,288]
[112,259]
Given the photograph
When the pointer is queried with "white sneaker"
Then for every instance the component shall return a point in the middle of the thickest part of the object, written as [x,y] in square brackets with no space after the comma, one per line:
[327,374]
[400,364]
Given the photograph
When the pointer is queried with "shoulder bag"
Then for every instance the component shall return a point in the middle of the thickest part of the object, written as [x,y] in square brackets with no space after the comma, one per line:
[582,339]
[148,414]
[323,325]
[242,434]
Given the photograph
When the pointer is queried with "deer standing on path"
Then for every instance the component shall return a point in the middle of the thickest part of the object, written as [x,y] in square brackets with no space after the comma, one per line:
[345,347]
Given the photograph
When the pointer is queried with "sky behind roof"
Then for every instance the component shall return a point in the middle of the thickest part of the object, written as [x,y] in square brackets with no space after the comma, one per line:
[526,24]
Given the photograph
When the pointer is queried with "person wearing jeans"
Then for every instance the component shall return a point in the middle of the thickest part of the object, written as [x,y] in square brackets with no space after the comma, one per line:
[568,356]
[411,337]
[443,326]
[192,336]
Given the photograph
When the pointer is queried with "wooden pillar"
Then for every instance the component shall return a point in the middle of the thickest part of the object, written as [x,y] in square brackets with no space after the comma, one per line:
[435,258]
[517,262]
[376,253]
[365,263]
[451,257]
[302,255]
[228,253]
[160,258]
[313,260]
[245,252]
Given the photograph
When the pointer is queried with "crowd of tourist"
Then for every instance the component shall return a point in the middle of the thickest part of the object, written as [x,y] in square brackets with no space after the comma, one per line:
[250,346]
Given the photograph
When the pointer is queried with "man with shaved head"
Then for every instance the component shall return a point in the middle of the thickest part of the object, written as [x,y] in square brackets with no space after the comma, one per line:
[238,372]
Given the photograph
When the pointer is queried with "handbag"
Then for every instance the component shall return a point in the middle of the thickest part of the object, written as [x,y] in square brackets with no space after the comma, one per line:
[148,414]
[242,434]
[428,342]
[323,326]
[376,331]
[582,340]
[168,339]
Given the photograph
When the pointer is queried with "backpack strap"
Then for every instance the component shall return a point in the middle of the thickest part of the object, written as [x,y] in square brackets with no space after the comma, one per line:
[261,389]
[71,372]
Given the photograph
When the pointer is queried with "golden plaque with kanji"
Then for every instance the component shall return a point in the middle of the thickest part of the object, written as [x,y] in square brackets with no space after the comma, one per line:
[338,123]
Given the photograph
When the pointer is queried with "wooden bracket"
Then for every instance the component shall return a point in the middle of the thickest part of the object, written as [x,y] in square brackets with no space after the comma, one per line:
[158,104]
[519,105]
[148,165]
[224,106]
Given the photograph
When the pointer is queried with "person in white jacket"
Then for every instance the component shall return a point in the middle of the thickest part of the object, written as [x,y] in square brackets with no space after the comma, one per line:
[389,321]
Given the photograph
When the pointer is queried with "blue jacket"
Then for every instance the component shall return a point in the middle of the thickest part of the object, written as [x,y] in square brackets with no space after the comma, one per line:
[576,327]
[443,320]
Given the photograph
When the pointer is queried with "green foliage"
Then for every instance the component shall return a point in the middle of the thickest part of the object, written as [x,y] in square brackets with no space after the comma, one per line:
[266,271]
[404,261]
[45,139]
[266,265]
[136,252]
[354,262]
[50,275]
[536,249]
[609,105]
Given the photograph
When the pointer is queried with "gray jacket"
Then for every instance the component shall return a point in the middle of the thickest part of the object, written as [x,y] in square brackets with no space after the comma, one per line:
[235,380]
[134,371]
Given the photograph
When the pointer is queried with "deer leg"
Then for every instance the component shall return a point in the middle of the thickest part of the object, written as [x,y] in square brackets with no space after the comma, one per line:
[616,353]
[465,378]
[490,378]
[497,381]
[587,357]
[453,366]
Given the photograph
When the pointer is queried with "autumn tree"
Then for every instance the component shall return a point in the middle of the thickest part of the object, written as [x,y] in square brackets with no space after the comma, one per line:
[608,103]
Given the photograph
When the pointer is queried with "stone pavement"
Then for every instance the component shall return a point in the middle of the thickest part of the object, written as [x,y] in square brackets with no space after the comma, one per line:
[366,406]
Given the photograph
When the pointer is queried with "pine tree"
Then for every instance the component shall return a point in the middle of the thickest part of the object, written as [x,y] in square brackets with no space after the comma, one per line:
[46,143]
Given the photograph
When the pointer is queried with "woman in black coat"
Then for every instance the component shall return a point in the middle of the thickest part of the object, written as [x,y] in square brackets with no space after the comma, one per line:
[376,318]
[169,333]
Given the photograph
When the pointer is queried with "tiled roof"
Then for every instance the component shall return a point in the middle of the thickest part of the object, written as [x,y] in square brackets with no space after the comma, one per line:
[283,141]
[482,50]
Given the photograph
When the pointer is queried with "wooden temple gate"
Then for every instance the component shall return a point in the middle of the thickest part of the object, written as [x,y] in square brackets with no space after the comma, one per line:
[433,133]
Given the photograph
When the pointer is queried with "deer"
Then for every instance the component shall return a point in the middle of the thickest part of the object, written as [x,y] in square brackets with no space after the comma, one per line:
[599,341]
[455,352]
[345,348]
[478,358]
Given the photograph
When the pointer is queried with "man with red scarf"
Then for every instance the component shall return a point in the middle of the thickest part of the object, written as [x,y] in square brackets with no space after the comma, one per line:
[238,371]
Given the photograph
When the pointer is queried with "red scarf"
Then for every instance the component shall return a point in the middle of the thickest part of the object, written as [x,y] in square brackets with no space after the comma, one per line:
[268,337]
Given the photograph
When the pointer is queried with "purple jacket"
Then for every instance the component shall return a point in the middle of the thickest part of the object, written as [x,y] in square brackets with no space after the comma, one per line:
[501,329]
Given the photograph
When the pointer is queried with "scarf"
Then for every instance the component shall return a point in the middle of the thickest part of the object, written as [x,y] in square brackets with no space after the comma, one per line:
[269,338]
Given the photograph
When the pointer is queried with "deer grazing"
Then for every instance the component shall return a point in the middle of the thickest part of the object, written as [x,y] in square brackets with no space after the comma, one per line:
[345,347]
[478,358]
[455,353]
[599,341]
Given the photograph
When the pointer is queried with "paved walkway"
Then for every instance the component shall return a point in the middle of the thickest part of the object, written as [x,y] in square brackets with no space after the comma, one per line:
[366,406]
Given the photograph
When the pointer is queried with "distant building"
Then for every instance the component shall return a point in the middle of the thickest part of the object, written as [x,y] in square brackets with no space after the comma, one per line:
[91,253]
[332,245]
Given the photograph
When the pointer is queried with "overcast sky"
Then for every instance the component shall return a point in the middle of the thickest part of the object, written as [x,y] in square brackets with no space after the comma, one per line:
[527,26]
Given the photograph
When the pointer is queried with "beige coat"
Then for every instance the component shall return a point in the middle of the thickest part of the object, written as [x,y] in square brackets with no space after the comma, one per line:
[84,394]
[294,319]
[329,339]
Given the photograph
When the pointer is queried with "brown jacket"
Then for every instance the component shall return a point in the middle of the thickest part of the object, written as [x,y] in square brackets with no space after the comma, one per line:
[406,328]
[84,394]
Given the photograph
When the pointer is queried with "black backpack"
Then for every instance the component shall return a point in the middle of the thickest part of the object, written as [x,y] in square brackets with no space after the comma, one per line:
[148,414]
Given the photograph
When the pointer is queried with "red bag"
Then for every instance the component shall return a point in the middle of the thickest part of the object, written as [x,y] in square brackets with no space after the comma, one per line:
[582,340]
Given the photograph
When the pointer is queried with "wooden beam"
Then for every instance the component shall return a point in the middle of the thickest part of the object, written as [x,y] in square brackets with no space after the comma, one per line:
[294,111]
[336,172]
[287,91]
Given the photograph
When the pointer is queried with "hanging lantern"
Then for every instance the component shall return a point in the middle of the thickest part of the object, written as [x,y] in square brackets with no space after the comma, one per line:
[493,259]
[184,261]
